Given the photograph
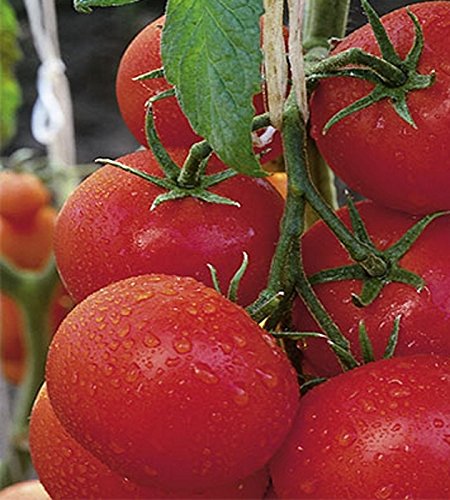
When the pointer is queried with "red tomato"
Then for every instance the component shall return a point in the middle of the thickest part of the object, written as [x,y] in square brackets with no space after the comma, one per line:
[425,316]
[171,384]
[70,471]
[375,151]
[379,431]
[106,231]
[141,56]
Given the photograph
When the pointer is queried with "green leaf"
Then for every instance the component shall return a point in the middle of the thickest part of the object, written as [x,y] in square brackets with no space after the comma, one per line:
[85,6]
[10,92]
[211,53]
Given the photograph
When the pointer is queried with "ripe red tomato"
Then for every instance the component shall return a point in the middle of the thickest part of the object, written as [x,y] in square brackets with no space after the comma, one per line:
[106,231]
[379,431]
[375,151]
[68,470]
[425,316]
[142,56]
[171,384]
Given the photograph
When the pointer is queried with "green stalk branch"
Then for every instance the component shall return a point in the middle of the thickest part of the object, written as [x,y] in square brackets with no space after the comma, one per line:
[33,292]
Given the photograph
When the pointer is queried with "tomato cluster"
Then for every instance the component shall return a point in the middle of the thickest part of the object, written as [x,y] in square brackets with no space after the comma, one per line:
[27,222]
[158,386]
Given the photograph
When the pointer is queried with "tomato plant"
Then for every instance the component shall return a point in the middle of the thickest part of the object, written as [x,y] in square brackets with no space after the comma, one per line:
[423,315]
[106,231]
[157,345]
[142,56]
[379,431]
[375,151]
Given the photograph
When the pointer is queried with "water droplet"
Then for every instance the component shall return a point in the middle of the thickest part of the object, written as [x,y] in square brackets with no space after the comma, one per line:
[240,397]
[108,369]
[447,438]
[226,348]
[124,331]
[113,345]
[269,378]
[204,373]
[346,438]
[384,492]
[438,423]
[239,340]
[116,448]
[396,427]
[132,374]
[398,390]
[192,310]
[170,362]
[209,308]
[144,296]
[182,345]
[67,452]
[125,311]
[169,292]
[151,340]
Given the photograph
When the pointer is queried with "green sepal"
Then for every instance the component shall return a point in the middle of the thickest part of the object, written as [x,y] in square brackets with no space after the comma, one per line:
[365,343]
[155,73]
[372,286]
[393,339]
[346,358]
[265,305]
[214,278]
[310,384]
[236,279]
[388,85]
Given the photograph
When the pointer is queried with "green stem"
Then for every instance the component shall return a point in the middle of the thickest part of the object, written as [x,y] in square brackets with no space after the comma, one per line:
[391,74]
[33,293]
[323,20]
[189,175]
[294,143]
[359,251]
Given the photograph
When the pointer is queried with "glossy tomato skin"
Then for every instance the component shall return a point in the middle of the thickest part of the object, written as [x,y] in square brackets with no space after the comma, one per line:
[425,315]
[378,431]
[106,231]
[374,151]
[171,384]
[143,55]
[67,470]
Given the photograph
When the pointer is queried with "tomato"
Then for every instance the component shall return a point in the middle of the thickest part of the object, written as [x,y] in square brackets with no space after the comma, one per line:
[374,151]
[141,56]
[379,431]
[106,231]
[70,471]
[425,316]
[31,489]
[21,195]
[170,384]
[279,180]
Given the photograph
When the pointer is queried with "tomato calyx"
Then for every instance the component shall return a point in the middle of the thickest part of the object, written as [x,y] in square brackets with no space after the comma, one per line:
[373,285]
[394,78]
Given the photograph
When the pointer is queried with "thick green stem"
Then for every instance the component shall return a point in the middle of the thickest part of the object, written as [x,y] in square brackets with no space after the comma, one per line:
[294,142]
[323,20]
[359,251]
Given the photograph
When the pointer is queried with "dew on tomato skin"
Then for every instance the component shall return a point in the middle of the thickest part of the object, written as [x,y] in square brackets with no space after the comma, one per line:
[438,423]
[171,362]
[116,448]
[240,396]
[113,345]
[203,373]
[346,438]
[239,340]
[269,378]
[446,439]
[182,345]
[150,471]
[151,340]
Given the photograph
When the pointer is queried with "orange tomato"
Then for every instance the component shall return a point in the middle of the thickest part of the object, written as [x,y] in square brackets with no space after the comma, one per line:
[279,181]
[21,195]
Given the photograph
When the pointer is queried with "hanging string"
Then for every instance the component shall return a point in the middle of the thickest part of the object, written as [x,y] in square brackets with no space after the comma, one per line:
[52,117]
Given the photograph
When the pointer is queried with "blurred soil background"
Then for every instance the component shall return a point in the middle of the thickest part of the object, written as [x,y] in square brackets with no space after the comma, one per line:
[91,47]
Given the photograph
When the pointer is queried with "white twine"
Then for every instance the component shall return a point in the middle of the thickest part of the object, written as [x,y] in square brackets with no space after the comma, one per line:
[297,64]
[51,120]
